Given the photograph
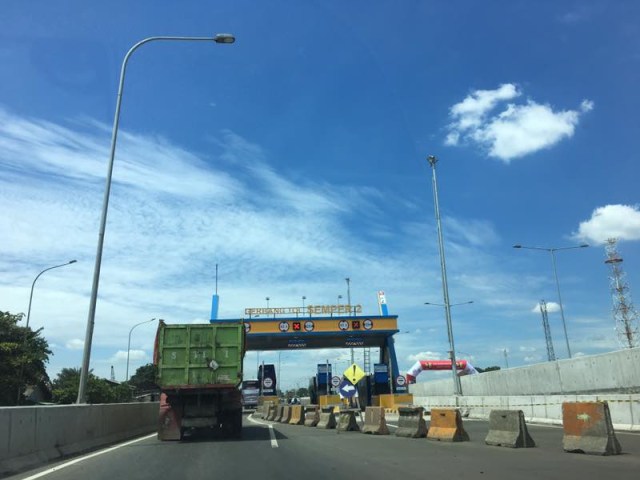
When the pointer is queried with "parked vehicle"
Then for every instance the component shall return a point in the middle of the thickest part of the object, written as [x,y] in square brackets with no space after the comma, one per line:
[199,370]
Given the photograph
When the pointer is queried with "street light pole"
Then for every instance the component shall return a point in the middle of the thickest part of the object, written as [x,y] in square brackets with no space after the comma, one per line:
[445,287]
[348,280]
[552,251]
[126,378]
[84,373]
[34,284]
[24,344]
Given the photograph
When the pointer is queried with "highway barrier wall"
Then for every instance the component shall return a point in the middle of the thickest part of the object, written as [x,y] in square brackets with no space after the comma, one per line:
[614,372]
[624,409]
[539,390]
[31,436]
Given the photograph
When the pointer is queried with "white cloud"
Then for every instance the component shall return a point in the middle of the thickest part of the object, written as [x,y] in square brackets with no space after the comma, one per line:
[121,355]
[532,359]
[523,348]
[552,307]
[75,344]
[471,112]
[611,221]
[476,233]
[517,130]
[427,355]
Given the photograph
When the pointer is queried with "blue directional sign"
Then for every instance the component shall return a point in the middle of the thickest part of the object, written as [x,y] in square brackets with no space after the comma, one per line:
[347,389]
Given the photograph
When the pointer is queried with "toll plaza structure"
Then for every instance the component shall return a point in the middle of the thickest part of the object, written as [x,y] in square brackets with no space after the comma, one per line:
[324,326]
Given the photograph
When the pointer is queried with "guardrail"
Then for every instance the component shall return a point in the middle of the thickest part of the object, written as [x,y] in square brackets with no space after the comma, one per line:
[31,436]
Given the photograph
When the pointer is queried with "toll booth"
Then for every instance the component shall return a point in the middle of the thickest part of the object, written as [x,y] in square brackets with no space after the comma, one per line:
[325,326]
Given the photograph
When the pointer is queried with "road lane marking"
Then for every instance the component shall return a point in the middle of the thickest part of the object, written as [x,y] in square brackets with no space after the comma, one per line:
[87,457]
[272,433]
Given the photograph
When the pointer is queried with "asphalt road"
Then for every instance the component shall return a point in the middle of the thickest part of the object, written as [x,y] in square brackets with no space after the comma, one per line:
[295,452]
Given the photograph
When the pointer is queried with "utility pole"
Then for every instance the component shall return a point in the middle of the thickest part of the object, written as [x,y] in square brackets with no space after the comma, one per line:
[445,287]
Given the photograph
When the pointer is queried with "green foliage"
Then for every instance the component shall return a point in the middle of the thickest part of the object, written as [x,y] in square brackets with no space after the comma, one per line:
[65,388]
[145,378]
[23,355]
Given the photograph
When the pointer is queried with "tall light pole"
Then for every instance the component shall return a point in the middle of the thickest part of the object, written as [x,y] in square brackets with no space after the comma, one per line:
[34,284]
[24,345]
[84,373]
[445,286]
[303,299]
[552,251]
[339,298]
[126,378]
[348,280]
[457,384]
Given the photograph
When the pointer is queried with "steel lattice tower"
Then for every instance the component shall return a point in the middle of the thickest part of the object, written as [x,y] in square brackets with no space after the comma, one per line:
[547,331]
[624,313]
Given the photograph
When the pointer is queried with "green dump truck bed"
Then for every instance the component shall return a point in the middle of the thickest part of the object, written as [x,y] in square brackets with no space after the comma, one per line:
[199,355]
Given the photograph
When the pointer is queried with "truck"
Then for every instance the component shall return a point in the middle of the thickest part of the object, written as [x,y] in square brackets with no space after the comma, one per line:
[199,371]
[250,393]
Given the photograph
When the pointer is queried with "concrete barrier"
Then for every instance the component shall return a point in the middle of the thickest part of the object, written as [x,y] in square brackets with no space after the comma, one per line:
[546,409]
[374,421]
[327,418]
[311,415]
[411,422]
[446,425]
[279,414]
[31,436]
[347,420]
[585,375]
[588,429]
[272,413]
[507,428]
[297,416]
[286,414]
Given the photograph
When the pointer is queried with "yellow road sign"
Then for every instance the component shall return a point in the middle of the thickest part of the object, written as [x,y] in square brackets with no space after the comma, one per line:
[354,374]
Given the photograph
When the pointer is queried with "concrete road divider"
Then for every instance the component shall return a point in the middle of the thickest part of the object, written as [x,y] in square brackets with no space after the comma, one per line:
[286,414]
[297,416]
[311,415]
[347,420]
[588,429]
[259,413]
[327,418]
[278,417]
[507,428]
[267,408]
[411,422]
[446,426]
[374,421]
[32,436]
[272,413]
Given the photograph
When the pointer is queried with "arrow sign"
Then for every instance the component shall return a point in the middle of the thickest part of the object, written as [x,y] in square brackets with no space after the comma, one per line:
[346,389]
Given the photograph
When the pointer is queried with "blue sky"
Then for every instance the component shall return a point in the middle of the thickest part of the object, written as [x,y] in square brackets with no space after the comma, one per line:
[296,157]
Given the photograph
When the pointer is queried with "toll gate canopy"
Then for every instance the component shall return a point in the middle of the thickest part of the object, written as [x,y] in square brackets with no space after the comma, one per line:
[310,327]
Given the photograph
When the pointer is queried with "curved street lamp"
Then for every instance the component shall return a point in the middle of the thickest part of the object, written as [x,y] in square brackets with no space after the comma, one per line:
[552,251]
[29,316]
[126,378]
[84,373]
[34,284]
